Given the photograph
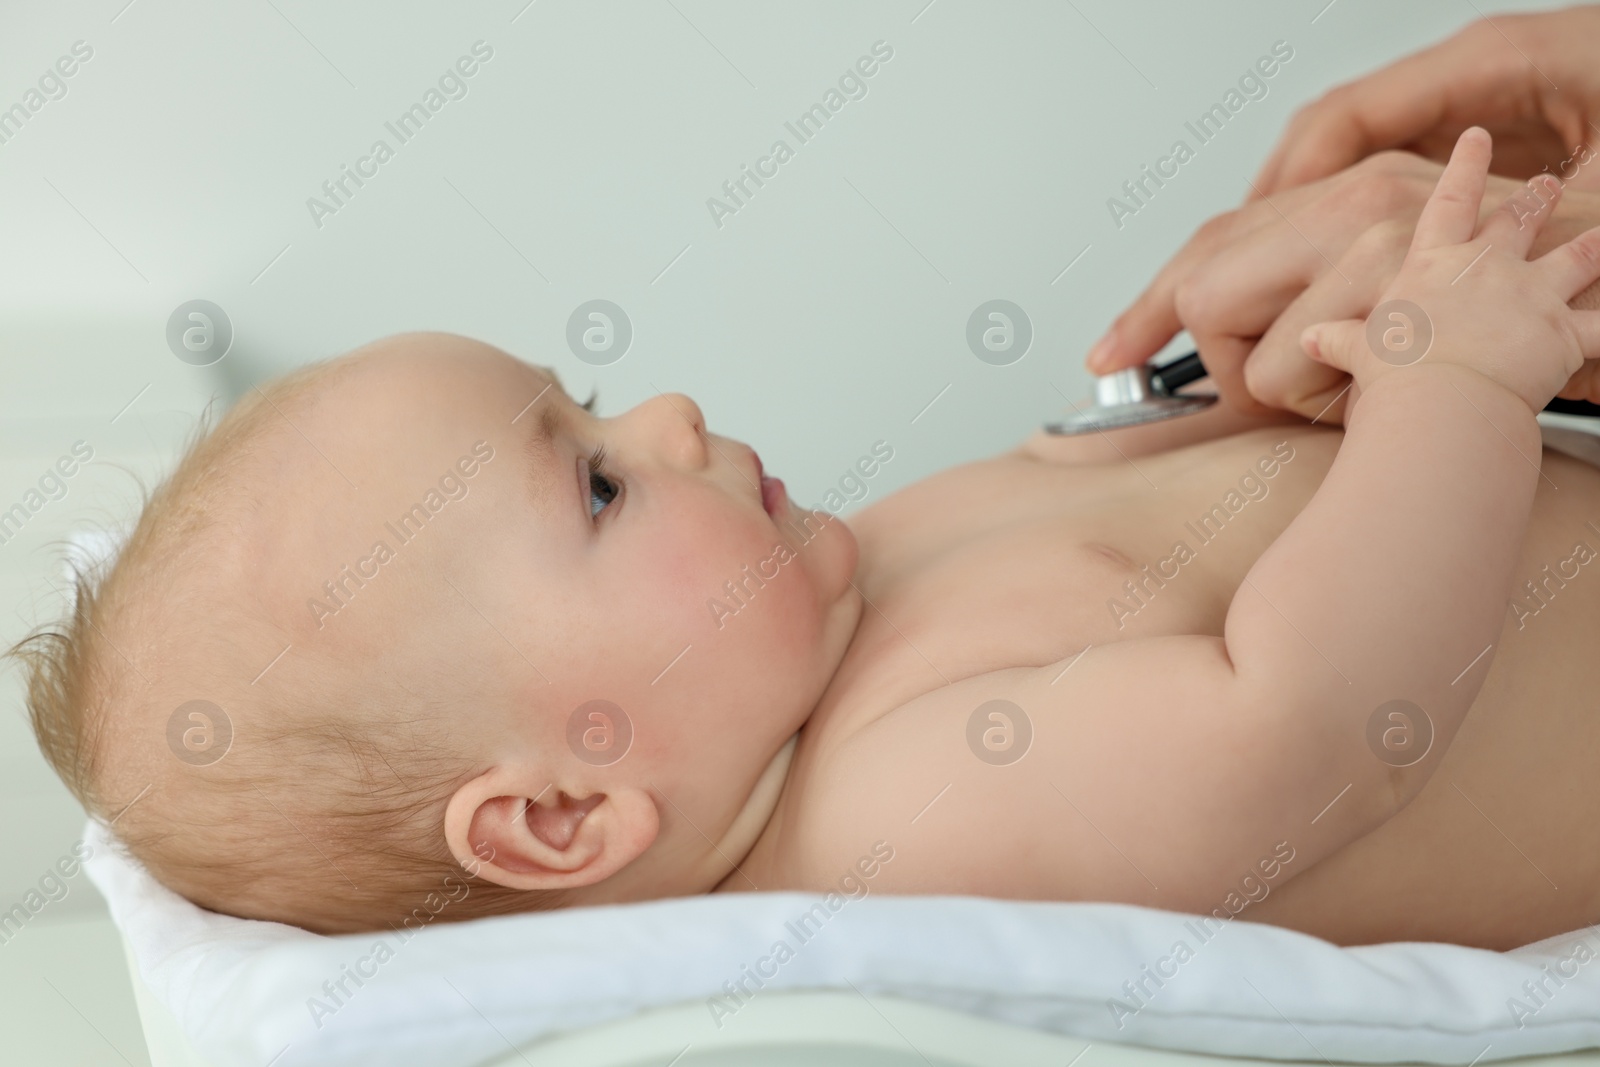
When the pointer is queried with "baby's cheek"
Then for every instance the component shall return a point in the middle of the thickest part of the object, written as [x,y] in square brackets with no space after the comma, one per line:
[780,616]
[787,611]
[686,563]
[740,575]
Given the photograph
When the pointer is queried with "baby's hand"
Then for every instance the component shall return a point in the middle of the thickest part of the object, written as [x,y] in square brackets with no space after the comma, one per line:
[1477,301]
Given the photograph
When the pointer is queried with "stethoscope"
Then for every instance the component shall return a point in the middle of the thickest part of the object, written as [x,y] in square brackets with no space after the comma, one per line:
[1149,393]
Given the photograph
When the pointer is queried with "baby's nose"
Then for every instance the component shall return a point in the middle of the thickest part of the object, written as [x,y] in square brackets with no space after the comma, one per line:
[687,410]
[679,426]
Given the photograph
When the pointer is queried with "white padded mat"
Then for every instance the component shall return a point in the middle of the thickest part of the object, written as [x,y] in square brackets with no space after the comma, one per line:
[249,991]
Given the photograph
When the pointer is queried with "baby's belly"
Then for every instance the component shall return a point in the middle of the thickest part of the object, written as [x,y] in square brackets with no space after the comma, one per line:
[1502,847]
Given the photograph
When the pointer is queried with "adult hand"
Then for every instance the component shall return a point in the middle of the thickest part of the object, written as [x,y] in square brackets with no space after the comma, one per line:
[1530,80]
[1251,280]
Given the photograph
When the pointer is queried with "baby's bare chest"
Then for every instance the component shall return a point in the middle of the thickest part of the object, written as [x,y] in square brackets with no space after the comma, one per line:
[1015,562]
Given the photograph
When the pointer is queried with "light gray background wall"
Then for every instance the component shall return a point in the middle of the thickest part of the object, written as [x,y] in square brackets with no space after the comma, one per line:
[825,315]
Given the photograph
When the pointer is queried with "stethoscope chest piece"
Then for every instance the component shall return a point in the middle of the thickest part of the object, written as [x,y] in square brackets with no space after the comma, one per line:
[1149,394]
[1133,396]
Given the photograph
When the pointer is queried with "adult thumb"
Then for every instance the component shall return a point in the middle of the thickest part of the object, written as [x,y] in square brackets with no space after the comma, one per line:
[1337,344]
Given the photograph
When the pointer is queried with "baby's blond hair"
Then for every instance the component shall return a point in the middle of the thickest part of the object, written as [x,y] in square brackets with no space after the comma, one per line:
[327,810]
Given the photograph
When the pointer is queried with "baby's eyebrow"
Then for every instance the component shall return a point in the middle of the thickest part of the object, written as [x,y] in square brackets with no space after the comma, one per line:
[587,405]
[554,377]
[539,447]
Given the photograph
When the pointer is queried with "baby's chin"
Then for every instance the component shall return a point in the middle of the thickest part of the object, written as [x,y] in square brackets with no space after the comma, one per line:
[830,558]
[826,547]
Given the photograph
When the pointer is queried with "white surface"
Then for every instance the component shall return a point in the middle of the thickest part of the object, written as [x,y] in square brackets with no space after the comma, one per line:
[812,1028]
[243,990]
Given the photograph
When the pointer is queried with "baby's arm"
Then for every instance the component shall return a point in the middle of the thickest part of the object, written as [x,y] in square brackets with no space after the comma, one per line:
[1162,769]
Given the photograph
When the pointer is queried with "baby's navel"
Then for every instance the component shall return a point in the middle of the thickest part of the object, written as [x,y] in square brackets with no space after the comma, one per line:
[1102,549]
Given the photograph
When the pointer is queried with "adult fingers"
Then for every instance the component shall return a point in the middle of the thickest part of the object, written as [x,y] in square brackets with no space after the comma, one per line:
[1241,267]
[1246,284]
[1586,327]
[1469,78]
[1238,297]
[1584,385]
[1224,356]
[1570,268]
[1344,127]
[1515,224]
[1278,372]
[1152,320]
[1366,213]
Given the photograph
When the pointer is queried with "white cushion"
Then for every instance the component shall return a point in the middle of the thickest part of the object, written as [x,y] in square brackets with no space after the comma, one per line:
[243,990]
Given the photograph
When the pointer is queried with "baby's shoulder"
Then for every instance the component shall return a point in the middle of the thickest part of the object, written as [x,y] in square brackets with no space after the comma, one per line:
[890,785]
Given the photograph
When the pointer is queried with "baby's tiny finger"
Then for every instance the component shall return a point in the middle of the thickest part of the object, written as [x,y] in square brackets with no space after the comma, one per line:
[1517,222]
[1336,343]
[1451,213]
[1569,269]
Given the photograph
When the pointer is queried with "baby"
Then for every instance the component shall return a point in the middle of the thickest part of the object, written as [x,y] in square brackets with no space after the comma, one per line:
[412,632]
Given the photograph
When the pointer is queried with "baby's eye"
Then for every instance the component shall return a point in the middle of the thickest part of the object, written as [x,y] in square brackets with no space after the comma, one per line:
[602,489]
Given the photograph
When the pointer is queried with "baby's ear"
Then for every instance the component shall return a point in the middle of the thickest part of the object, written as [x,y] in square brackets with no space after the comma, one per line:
[499,829]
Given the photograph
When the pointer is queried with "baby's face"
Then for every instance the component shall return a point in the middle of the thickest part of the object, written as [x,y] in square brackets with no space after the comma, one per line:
[540,578]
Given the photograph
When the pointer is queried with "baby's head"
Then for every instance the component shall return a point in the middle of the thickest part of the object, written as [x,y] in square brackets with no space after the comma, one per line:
[454,638]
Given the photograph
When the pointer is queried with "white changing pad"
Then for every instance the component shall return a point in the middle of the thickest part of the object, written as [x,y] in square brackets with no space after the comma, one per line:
[244,990]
